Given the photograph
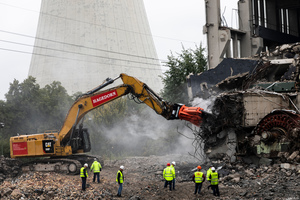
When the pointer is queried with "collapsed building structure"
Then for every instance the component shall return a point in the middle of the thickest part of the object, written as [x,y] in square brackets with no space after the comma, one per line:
[257,109]
[254,76]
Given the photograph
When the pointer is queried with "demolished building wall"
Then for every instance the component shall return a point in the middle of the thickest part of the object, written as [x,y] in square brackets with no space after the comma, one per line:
[259,106]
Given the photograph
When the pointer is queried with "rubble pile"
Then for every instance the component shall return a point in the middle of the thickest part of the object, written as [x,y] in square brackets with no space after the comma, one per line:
[278,181]
[9,168]
[143,180]
[38,185]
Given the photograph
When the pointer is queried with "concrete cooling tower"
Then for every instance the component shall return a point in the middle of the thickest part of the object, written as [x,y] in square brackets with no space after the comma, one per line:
[81,43]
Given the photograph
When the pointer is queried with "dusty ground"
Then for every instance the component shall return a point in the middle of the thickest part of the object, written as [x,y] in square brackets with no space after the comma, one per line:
[143,180]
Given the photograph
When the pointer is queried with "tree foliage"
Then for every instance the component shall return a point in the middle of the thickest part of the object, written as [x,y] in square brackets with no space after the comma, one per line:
[189,61]
[30,109]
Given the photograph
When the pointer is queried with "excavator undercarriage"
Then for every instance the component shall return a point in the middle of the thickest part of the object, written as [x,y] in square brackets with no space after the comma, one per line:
[70,165]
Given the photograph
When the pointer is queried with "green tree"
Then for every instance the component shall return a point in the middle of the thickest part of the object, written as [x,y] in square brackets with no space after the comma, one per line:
[188,62]
[30,109]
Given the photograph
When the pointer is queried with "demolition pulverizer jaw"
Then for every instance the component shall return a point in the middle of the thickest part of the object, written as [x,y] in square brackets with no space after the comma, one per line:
[205,114]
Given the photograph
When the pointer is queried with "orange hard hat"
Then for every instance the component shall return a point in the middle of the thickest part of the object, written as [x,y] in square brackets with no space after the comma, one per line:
[168,164]
[199,167]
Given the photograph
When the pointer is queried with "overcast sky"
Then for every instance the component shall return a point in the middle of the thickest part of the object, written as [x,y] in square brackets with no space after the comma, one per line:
[173,23]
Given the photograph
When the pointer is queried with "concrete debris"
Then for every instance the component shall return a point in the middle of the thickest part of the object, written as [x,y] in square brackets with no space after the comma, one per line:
[237,181]
[258,101]
[9,168]
[293,155]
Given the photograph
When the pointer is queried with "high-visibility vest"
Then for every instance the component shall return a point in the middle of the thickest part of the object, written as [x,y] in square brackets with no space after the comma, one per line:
[173,168]
[209,171]
[198,177]
[168,174]
[96,166]
[82,172]
[214,178]
[121,177]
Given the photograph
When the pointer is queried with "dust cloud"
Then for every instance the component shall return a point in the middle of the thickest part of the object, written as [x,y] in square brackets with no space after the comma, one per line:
[151,134]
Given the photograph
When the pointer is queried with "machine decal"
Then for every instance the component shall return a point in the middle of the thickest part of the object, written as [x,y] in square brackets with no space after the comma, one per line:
[19,148]
[102,98]
[48,146]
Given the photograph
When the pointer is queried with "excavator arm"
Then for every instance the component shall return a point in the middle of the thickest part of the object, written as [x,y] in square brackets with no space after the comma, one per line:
[139,90]
[70,140]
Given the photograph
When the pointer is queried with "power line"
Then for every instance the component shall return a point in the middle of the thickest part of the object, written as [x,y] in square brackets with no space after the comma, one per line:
[65,58]
[80,46]
[97,49]
[73,52]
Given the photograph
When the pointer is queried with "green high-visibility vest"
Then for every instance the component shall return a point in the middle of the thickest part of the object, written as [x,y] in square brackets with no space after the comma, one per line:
[168,173]
[173,168]
[209,171]
[82,172]
[198,177]
[214,178]
[121,177]
[96,166]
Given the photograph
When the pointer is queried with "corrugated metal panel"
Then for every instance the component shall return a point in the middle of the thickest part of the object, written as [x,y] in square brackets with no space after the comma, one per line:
[258,106]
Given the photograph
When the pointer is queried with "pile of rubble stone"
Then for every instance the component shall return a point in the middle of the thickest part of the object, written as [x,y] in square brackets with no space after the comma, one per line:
[278,181]
[9,168]
[143,180]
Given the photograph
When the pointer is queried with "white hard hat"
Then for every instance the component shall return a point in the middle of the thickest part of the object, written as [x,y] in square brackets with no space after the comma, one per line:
[213,169]
[85,165]
[121,167]
[173,163]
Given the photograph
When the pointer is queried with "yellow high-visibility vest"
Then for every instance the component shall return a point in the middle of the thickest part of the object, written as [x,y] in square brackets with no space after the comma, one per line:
[121,177]
[214,178]
[168,173]
[96,166]
[209,171]
[82,172]
[198,177]
[173,168]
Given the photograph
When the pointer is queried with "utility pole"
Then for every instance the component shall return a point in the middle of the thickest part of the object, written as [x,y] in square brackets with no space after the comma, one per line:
[1,126]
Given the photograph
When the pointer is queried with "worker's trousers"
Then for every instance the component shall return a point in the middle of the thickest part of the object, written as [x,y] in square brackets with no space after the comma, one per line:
[173,182]
[168,183]
[83,183]
[97,174]
[215,189]
[198,187]
[120,188]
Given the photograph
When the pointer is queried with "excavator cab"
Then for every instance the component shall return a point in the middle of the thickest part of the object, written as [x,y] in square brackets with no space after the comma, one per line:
[80,141]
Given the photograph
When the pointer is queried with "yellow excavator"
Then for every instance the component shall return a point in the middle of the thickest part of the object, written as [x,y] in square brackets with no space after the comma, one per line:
[66,147]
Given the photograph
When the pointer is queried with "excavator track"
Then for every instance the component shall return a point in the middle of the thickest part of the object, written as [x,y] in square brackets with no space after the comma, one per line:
[70,165]
[65,166]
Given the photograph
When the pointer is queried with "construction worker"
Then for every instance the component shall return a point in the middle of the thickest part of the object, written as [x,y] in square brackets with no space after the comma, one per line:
[84,175]
[214,176]
[198,179]
[120,180]
[208,172]
[96,168]
[168,175]
[173,168]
